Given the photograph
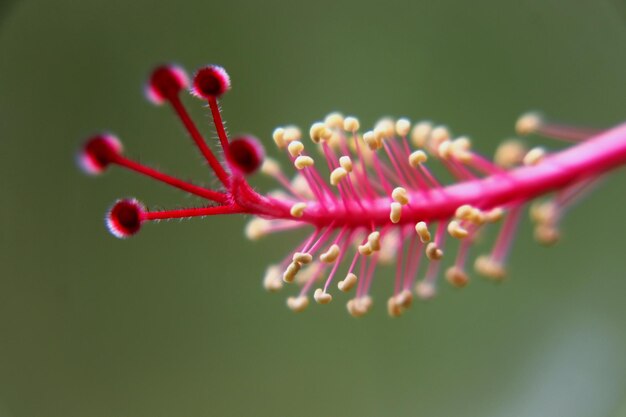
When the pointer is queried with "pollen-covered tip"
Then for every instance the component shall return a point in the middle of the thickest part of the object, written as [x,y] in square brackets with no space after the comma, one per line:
[165,83]
[98,152]
[125,218]
[246,154]
[211,82]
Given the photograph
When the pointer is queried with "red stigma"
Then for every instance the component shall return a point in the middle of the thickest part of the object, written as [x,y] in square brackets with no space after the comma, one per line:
[165,83]
[125,217]
[98,153]
[246,154]
[211,82]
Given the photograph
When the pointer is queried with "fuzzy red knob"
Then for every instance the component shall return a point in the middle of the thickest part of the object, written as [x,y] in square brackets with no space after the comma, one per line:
[211,82]
[246,154]
[165,83]
[98,152]
[125,218]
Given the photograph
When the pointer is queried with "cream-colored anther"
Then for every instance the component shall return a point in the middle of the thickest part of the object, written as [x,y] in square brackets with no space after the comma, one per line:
[257,228]
[279,137]
[334,140]
[403,126]
[422,231]
[303,161]
[301,186]
[528,123]
[547,234]
[433,252]
[331,254]
[464,212]
[444,150]
[334,120]
[534,156]
[400,195]
[510,153]
[544,212]
[373,240]
[425,290]
[346,163]
[295,148]
[421,133]
[494,215]
[456,230]
[292,133]
[319,132]
[388,252]
[365,249]
[272,281]
[357,307]
[457,277]
[297,210]
[298,304]
[417,157]
[292,270]
[322,297]
[351,124]
[302,257]
[270,167]
[337,175]
[385,128]
[395,212]
[347,283]
[460,149]
[393,309]
[488,267]
[438,135]
[371,140]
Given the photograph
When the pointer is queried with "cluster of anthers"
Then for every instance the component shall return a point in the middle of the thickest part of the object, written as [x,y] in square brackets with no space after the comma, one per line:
[370,197]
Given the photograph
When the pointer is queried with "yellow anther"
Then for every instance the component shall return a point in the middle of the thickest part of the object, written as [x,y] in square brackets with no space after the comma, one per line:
[347,283]
[534,156]
[425,290]
[421,133]
[464,212]
[528,123]
[373,240]
[337,175]
[433,252]
[302,257]
[456,230]
[298,304]
[346,163]
[417,157]
[365,249]
[270,167]
[351,124]
[395,212]
[319,132]
[489,268]
[457,277]
[292,270]
[331,254]
[272,281]
[334,120]
[279,137]
[334,140]
[400,195]
[422,231]
[510,153]
[322,297]
[295,148]
[303,161]
[403,126]
[292,133]
[297,210]
[372,142]
[547,234]
[257,228]
[494,215]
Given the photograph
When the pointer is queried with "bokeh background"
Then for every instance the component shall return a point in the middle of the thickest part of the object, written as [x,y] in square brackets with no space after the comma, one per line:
[175,323]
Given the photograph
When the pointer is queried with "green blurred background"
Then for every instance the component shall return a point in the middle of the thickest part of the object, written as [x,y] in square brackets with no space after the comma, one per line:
[175,323]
